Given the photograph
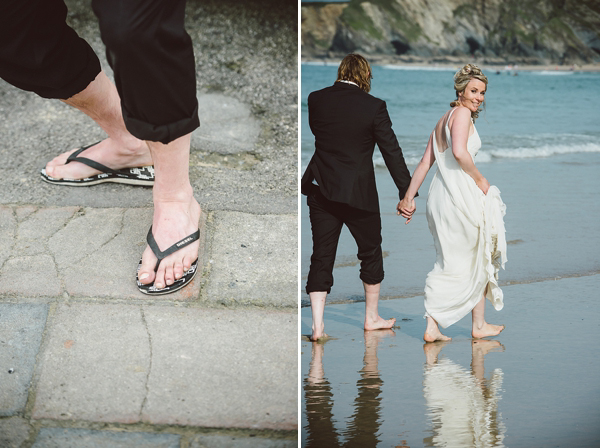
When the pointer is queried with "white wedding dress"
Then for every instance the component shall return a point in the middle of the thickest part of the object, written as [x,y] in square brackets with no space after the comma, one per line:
[468,232]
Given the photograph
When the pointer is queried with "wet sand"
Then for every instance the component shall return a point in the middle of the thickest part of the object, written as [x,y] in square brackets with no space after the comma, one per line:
[537,386]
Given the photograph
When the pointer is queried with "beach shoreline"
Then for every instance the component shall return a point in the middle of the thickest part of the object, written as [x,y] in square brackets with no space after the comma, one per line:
[452,63]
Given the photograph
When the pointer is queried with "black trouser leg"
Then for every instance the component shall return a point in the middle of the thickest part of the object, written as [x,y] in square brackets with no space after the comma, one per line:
[327,218]
[326,229]
[40,53]
[365,227]
[153,62]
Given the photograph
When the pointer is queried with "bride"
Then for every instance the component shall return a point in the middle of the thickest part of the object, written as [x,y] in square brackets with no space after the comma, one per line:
[465,217]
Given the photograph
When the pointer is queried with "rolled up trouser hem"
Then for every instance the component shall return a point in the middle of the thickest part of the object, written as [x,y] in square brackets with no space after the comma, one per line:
[40,53]
[371,280]
[152,57]
[164,133]
[309,290]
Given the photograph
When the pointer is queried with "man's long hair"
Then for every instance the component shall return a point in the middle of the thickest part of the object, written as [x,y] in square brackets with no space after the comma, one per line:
[355,68]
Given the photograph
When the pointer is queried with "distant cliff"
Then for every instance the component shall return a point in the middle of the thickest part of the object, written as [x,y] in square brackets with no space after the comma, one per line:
[523,31]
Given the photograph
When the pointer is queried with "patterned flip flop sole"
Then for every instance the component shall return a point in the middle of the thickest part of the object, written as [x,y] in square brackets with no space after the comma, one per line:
[151,290]
[142,176]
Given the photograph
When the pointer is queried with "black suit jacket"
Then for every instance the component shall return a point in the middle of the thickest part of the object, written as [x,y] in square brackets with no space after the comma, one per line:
[347,122]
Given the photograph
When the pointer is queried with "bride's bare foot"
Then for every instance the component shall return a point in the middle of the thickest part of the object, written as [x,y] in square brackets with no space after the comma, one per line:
[379,323]
[112,153]
[433,333]
[172,221]
[486,330]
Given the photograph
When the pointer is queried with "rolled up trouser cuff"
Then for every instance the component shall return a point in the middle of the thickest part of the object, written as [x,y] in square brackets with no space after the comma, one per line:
[163,133]
[40,53]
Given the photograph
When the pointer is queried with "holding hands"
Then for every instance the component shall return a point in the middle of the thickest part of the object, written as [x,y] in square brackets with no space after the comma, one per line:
[406,207]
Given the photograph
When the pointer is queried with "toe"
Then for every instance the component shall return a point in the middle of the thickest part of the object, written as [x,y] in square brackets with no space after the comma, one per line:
[169,276]
[187,263]
[146,272]
[159,279]
[178,270]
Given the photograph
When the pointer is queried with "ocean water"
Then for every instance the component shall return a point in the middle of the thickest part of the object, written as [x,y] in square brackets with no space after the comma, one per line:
[540,135]
[533,115]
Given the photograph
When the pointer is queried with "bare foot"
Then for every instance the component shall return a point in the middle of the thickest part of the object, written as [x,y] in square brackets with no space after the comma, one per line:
[379,323]
[172,221]
[433,333]
[109,152]
[318,333]
[486,330]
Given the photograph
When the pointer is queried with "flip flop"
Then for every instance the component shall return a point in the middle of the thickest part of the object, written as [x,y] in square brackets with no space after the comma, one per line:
[132,176]
[150,289]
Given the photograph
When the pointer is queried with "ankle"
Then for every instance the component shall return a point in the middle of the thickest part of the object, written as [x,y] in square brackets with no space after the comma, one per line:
[182,195]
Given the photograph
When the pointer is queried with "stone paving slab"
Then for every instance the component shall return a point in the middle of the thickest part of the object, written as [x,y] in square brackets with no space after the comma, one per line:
[170,365]
[21,328]
[84,252]
[254,259]
[228,125]
[222,368]
[85,438]
[95,365]
[89,252]
[13,432]
[213,441]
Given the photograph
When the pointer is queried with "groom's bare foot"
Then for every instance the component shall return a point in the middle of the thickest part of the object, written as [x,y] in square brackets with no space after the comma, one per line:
[109,152]
[486,330]
[318,333]
[379,323]
[172,221]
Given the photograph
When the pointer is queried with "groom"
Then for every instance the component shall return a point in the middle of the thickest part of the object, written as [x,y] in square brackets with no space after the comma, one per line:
[339,182]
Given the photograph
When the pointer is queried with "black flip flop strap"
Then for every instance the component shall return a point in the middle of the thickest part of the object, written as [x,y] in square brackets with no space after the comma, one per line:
[174,248]
[89,162]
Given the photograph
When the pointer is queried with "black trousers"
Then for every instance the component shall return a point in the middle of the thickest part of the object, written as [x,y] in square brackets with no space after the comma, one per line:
[146,45]
[326,220]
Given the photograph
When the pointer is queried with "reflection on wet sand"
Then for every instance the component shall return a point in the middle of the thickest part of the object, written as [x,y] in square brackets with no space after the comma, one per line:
[363,426]
[463,405]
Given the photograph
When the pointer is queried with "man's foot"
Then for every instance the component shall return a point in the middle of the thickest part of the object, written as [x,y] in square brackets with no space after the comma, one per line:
[318,333]
[172,221]
[379,323]
[109,152]
[486,330]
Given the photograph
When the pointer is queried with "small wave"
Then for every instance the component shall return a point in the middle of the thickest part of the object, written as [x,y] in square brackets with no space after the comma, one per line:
[543,151]
[325,63]
[553,73]
[419,67]
[488,155]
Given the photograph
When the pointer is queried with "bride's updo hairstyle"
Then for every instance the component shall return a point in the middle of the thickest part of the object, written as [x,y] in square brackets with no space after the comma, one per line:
[355,68]
[461,80]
